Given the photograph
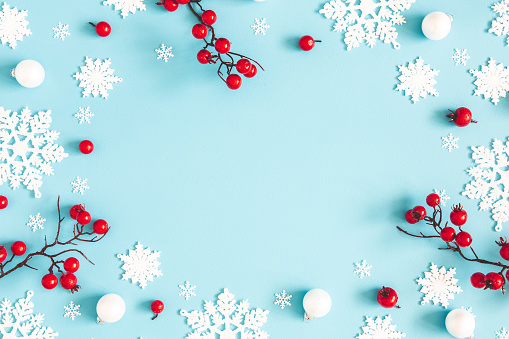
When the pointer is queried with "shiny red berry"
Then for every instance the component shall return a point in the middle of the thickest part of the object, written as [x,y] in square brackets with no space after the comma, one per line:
[463,239]
[157,307]
[433,200]
[252,72]
[68,281]
[222,45]
[200,31]
[73,212]
[203,56]
[458,215]
[3,253]
[71,264]
[49,281]
[409,217]
[182,2]
[102,28]
[100,226]
[86,147]
[209,17]
[387,297]
[306,43]
[170,5]
[507,275]
[83,218]
[243,66]
[419,212]
[448,234]
[504,252]
[234,81]
[478,280]
[494,281]
[3,202]
[18,248]
[461,117]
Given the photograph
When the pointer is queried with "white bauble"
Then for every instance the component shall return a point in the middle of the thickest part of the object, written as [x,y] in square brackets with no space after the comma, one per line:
[317,303]
[29,73]
[436,25]
[110,308]
[460,323]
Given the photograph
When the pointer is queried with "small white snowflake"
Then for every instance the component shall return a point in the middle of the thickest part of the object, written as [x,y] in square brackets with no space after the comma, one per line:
[460,56]
[417,80]
[36,222]
[96,77]
[502,334]
[141,265]
[450,142]
[443,196]
[439,285]
[164,52]
[126,6]
[469,310]
[283,299]
[492,81]
[362,269]
[79,185]
[61,31]
[13,25]
[72,311]
[187,290]
[84,115]
[260,26]
[380,329]
[500,25]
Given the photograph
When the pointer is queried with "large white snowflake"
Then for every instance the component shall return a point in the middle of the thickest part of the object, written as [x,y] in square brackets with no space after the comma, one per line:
[490,181]
[362,269]
[141,265]
[19,320]
[36,222]
[283,299]
[367,20]
[500,26]
[502,334]
[492,81]
[96,77]
[260,26]
[226,320]
[417,80]
[450,142]
[13,25]
[439,285]
[27,148]
[380,329]
[72,311]
[84,115]
[126,6]
[61,31]
[187,290]
[460,56]
[164,53]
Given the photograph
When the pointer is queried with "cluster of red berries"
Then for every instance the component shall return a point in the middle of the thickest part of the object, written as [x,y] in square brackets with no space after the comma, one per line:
[79,214]
[17,248]
[387,297]
[492,280]
[461,117]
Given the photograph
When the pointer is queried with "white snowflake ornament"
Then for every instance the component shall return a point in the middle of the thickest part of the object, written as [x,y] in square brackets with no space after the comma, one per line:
[380,329]
[27,148]
[502,334]
[36,222]
[79,185]
[492,81]
[362,269]
[83,115]
[164,53]
[460,57]
[96,77]
[283,299]
[260,26]
[443,196]
[13,25]
[450,142]
[417,80]
[126,6]
[141,265]
[500,26]
[439,285]
[61,31]
[187,290]
[72,311]
[226,319]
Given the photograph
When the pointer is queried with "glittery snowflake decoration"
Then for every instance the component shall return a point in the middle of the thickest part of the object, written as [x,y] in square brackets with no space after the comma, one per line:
[500,26]
[380,329]
[61,31]
[27,148]
[164,53]
[19,320]
[439,285]
[502,334]
[36,222]
[492,81]
[490,180]
[126,6]
[362,269]
[367,20]
[13,25]
[141,265]
[79,185]
[96,77]
[83,115]
[226,319]
[187,290]
[260,26]
[460,57]
[283,299]
[72,311]
[450,142]
[443,196]
[417,80]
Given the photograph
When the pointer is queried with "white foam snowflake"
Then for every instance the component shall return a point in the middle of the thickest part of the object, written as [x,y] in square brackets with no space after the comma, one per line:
[500,25]
[79,185]
[27,148]
[126,6]
[36,222]
[502,334]
[19,320]
[283,299]
[362,269]
[469,310]
[439,285]
[141,265]
[443,196]
[367,20]
[72,311]
[84,115]
[492,81]
[61,31]
[187,290]
[460,56]
[226,319]
[13,25]
[450,142]
[417,80]
[490,181]
[164,53]
[380,329]
[96,77]
[260,26]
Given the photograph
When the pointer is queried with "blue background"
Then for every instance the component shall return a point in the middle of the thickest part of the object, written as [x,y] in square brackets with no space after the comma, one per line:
[283,184]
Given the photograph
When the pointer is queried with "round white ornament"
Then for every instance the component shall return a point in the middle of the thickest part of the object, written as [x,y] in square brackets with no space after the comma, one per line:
[317,303]
[110,308]
[460,323]
[29,73]
[436,25]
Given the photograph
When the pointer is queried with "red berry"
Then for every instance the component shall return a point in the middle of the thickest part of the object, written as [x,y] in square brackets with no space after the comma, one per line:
[83,218]
[419,212]
[433,199]
[49,281]
[86,147]
[507,275]
[209,17]
[75,210]
[478,280]
[494,281]
[3,253]
[409,217]
[18,248]
[243,66]
[222,45]
[100,226]
[103,29]
[387,297]
[3,202]
[170,5]
[203,56]
[461,117]
[306,43]
[68,281]
[463,239]
[458,215]
[157,307]
[252,72]
[182,2]
[200,31]
[233,81]
[71,264]
[504,252]
[448,234]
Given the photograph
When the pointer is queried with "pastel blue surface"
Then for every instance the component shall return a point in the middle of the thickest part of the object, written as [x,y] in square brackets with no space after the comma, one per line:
[283,184]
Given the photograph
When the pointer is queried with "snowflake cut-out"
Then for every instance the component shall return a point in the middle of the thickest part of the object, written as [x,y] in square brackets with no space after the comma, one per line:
[126,6]
[36,222]
[362,269]
[79,185]
[27,148]
[72,311]
[164,53]
[84,115]
[443,196]
[500,25]
[96,77]
[380,329]
[13,25]
[492,81]
[417,80]
[450,142]
[260,26]
[460,57]
[187,290]
[283,299]
[502,334]
[439,285]
[141,265]
[61,31]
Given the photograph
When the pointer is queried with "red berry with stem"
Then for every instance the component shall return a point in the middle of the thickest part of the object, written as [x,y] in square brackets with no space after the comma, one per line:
[387,297]
[157,307]
[203,56]
[234,81]
[83,218]
[71,264]
[200,31]
[102,28]
[222,45]
[458,215]
[504,252]
[68,281]
[419,212]
[182,2]
[463,239]
[86,147]
[209,17]
[494,281]
[3,202]
[3,253]
[478,280]
[73,212]
[433,200]
[243,66]
[169,5]
[18,248]
[49,281]
[100,226]
[252,72]
[306,43]
[448,234]
[409,217]
[461,117]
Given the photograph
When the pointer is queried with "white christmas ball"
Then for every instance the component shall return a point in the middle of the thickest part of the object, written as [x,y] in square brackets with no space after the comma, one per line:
[29,73]
[436,25]
[317,303]
[110,308]
[460,323]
